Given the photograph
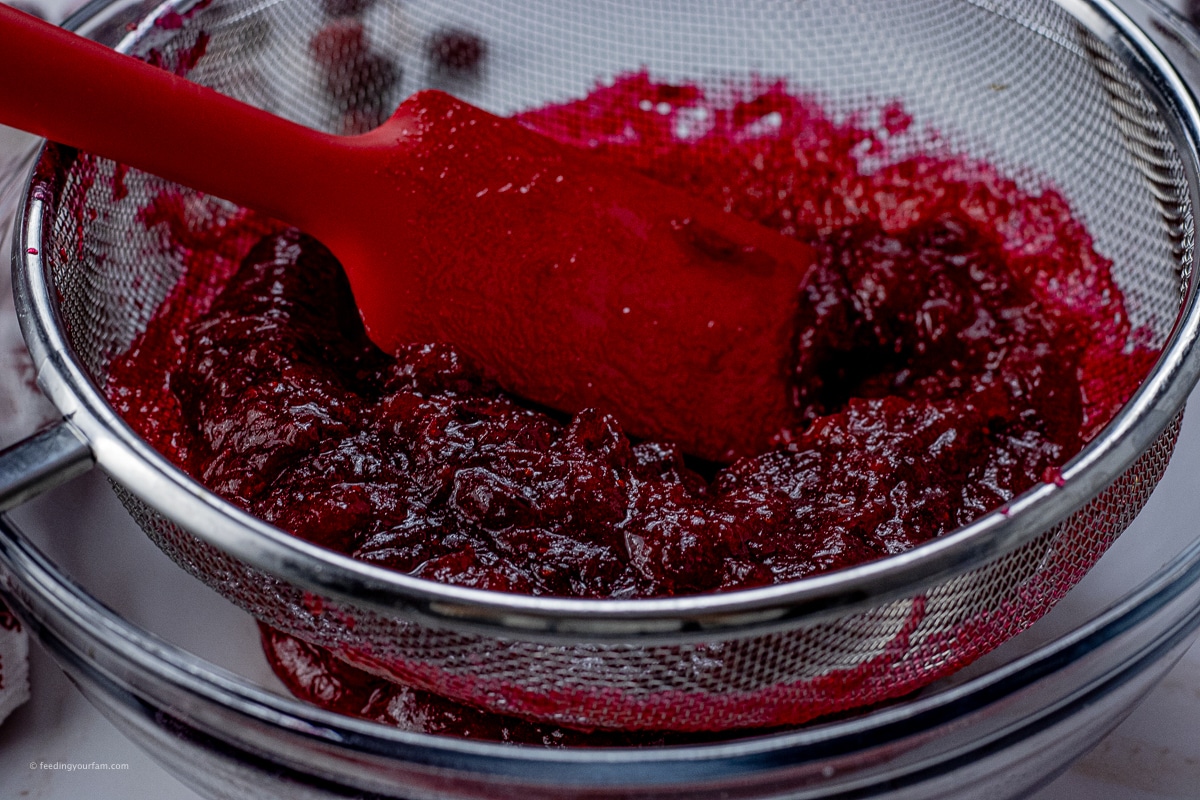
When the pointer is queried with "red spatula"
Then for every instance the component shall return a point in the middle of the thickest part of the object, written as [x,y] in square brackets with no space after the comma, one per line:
[578,284]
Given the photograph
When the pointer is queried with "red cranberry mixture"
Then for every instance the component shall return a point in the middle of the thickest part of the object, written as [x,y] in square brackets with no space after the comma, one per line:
[316,676]
[960,341]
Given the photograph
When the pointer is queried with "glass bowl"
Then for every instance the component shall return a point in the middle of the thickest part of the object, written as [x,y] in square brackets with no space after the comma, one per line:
[175,668]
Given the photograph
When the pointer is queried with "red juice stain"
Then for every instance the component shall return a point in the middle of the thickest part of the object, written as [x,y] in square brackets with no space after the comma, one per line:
[1053,475]
[119,190]
[314,604]
[8,620]
[180,62]
[171,19]
[190,57]
[895,119]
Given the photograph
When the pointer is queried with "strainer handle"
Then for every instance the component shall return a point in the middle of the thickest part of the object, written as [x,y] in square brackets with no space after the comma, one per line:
[42,461]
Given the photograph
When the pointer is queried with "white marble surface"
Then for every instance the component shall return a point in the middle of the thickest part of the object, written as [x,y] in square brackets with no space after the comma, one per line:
[1153,755]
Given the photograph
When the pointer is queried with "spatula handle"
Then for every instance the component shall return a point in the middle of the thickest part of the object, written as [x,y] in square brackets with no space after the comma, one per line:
[77,92]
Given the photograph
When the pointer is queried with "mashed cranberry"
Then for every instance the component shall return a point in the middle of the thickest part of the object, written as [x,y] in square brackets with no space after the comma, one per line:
[959,341]
[415,462]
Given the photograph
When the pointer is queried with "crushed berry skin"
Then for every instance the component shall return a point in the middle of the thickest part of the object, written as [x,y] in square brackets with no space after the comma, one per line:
[357,78]
[959,340]
[455,52]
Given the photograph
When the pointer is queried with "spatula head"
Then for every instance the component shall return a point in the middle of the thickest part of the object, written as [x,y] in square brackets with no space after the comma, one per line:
[578,283]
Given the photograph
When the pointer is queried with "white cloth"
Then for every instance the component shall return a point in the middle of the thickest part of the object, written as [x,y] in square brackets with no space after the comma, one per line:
[14,664]
[23,409]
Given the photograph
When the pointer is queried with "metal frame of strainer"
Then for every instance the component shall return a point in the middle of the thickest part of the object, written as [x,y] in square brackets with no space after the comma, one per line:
[92,433]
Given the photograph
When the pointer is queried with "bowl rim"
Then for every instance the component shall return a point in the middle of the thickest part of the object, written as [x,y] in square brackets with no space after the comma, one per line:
[71,622]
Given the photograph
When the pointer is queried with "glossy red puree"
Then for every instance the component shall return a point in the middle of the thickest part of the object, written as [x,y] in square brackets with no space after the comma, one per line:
[961,339]
[315,675]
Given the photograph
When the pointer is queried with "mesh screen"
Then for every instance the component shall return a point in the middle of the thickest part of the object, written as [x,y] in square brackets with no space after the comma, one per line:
[1018,84]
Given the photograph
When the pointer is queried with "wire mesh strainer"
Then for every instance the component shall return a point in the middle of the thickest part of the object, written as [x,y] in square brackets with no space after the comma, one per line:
[1062,91]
